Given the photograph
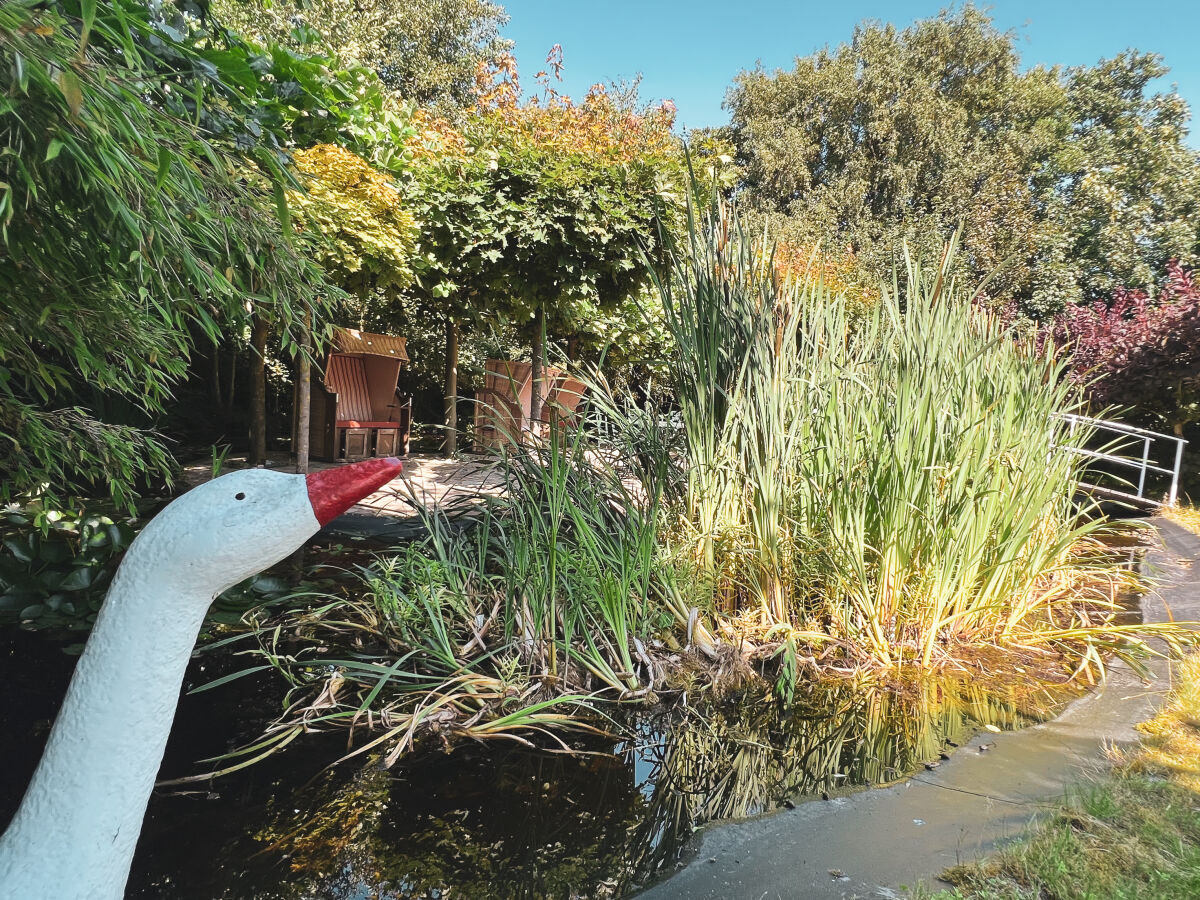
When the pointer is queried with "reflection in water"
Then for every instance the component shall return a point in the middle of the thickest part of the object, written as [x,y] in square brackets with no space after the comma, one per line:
[519,824]
[749,759]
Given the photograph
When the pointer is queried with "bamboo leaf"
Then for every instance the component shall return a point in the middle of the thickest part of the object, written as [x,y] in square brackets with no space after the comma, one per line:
[87,12]
[72,91]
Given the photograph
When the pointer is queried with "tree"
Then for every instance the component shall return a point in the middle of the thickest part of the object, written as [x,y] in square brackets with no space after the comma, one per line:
[369,235]
[427,50]
[1068,182]
[316,100]
[1122,191]
[140,189]
[899,130]
[540,214]
[841,273]
[368,241]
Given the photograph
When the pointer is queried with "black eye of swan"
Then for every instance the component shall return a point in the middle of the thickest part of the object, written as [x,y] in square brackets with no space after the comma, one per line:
[239,496]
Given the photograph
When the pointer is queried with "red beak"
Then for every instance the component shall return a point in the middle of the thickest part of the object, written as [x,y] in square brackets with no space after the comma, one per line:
[333,491]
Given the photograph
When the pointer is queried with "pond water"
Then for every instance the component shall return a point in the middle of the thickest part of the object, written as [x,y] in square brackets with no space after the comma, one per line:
[499,820]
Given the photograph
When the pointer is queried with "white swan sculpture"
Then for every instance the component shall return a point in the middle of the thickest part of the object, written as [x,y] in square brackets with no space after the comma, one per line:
[74,835]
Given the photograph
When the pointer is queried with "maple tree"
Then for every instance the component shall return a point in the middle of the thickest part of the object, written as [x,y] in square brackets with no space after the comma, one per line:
[538,214]
[370,234]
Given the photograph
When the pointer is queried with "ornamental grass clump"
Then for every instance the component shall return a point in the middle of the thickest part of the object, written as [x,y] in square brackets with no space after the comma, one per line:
[897,484]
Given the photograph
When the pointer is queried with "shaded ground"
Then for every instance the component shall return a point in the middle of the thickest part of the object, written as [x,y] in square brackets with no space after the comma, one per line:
[875,843]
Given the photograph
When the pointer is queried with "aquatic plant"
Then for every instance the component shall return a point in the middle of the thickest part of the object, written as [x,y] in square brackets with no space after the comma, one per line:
[502,620]
[896,482]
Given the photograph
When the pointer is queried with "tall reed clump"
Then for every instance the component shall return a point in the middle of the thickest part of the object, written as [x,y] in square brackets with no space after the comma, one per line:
[576,552]
[503,619]
[897,482]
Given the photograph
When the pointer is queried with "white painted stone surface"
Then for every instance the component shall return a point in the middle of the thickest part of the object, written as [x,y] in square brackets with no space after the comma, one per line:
[74,835]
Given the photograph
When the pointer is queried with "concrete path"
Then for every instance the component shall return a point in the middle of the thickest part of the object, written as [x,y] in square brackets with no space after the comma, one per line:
[875,843]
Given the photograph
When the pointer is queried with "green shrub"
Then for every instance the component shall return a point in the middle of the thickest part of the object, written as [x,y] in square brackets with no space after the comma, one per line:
[55,565]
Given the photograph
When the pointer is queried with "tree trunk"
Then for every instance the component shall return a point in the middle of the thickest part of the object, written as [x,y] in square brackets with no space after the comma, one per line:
[230,382]
[259,330]
[538,373]
[450,445]
[303,397]
[214,376]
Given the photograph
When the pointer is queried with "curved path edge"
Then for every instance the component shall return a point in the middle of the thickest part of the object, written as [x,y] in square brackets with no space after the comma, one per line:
[884,840]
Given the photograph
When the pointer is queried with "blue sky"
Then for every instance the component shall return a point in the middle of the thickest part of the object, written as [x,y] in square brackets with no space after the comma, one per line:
[690,51]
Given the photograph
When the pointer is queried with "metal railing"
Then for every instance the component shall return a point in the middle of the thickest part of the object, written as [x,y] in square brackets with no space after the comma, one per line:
[1143,464]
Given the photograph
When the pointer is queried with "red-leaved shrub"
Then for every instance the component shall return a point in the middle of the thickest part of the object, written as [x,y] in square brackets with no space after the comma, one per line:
[1139,351]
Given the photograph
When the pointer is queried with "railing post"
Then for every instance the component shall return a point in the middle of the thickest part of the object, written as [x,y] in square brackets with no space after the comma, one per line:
[1179,442]
[1145,462]
[1117,456]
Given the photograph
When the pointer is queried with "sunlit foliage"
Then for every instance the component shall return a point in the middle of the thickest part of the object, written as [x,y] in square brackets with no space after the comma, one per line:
[543,206]
[426,50]
[360,210]
[840,272]
[140,189]
[897,487]
[1068,182]
[553,123]
[1139,351]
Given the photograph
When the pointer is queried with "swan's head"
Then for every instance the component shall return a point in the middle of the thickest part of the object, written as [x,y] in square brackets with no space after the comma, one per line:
[232,527]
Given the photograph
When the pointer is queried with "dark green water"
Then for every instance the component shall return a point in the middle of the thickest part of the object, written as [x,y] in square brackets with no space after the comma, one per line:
[497,820]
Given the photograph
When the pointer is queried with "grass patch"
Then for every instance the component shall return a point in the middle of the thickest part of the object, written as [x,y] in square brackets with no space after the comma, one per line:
[1185,516]
[1133,833]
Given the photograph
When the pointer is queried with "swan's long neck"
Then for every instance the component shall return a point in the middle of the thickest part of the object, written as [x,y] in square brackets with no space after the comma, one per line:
[75,832]
[74,835]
